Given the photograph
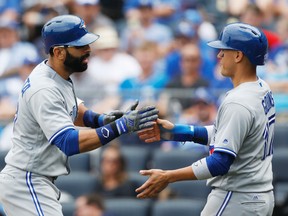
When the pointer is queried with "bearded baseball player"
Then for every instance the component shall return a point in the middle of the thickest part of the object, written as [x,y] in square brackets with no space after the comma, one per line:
[238,167]
[44,133]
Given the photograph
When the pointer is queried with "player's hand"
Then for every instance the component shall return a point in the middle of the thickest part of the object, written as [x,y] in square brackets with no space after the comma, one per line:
[116,114]
[159,131]
[135,120]
[156,182]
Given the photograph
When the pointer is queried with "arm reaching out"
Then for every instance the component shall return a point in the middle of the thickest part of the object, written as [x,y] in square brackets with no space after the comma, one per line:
[166,130]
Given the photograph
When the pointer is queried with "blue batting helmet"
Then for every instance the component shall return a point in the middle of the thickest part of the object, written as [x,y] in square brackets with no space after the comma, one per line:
[67,30]
[245,38]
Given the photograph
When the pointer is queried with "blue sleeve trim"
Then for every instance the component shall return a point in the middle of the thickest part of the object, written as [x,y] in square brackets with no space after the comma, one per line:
[185,133]
[219,163]
[68,142]
[226,150]
[59,132]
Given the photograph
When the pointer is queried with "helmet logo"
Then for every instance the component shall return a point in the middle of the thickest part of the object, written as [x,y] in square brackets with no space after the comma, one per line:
[83,25]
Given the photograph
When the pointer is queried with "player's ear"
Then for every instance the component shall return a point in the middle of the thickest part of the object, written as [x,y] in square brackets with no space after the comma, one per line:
[59,52]
[238,56]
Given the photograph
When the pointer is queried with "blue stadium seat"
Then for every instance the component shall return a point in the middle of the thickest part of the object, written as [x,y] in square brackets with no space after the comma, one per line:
[176,158]
[190,189]
[280,175]
[77,183]
[68,208]
[137,178]
[178,207]
[281,135]
[136,158]
[80,162]
[128,206]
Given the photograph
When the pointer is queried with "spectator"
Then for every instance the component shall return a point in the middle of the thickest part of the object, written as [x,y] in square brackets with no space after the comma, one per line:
[151,81]
[117,66]
[143,27]
[12,50]
[113,179]
[188,80]
[90,12]
[192,28]
[90,205]
[203,109]
[9,92]
[253,15]
[276,70]
[10,10]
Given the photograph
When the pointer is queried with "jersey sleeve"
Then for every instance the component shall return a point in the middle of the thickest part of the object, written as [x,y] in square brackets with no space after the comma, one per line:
[234,124]
[48,108]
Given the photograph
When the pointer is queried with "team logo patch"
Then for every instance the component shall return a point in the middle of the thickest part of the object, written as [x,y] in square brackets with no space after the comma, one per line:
[225,142]
[105,132]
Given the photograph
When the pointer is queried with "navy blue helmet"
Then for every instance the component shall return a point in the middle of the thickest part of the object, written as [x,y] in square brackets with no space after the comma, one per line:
[66,30]
[245,38]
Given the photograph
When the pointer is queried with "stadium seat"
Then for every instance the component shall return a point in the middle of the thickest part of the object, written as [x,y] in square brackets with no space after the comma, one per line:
[178,207]
[190,189]
[176,158]
[68,208]
[128,206]
[2,159]
[77,183]
[137,178]
[280,175]
[136,157]
[280,135]
[80,162]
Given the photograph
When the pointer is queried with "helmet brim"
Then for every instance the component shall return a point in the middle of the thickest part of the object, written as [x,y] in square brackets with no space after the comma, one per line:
[84,40]
[218,45]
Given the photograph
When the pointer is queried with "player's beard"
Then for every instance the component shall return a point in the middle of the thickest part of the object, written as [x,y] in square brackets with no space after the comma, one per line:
[75,64]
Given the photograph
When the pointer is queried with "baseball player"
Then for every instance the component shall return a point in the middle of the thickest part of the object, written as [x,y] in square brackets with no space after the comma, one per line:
[238,167]
[44,134]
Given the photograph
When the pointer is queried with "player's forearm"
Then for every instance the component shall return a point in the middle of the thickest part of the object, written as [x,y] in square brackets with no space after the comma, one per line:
[88,140]
[181,174]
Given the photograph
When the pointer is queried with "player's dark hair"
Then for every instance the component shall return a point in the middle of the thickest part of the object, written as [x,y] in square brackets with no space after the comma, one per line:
[51,51]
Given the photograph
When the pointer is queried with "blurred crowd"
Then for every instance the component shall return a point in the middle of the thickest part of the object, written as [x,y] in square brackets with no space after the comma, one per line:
[154,51]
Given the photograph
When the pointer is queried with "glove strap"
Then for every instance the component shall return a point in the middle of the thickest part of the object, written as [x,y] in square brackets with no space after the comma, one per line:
[107,133]
[121,126]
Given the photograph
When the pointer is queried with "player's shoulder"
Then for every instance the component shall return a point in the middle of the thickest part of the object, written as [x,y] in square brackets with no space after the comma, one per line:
[41,78]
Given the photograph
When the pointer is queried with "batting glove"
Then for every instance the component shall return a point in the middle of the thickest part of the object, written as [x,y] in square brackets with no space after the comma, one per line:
[135,120]
[116,114]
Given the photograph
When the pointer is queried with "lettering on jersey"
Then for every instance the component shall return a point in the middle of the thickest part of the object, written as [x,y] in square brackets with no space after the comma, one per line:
[268,136]
[73,113]
[26,86]
[268,102]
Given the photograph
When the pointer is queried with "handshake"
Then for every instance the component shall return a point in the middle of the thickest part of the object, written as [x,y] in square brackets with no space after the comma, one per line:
[132,120]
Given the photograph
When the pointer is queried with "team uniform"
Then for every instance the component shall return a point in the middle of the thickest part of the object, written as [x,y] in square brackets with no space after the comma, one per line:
[244,128]
[47,106]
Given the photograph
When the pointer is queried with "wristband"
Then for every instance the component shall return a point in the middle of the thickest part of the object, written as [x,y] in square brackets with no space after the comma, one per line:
[91,119]
[183,133]
[107,133]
